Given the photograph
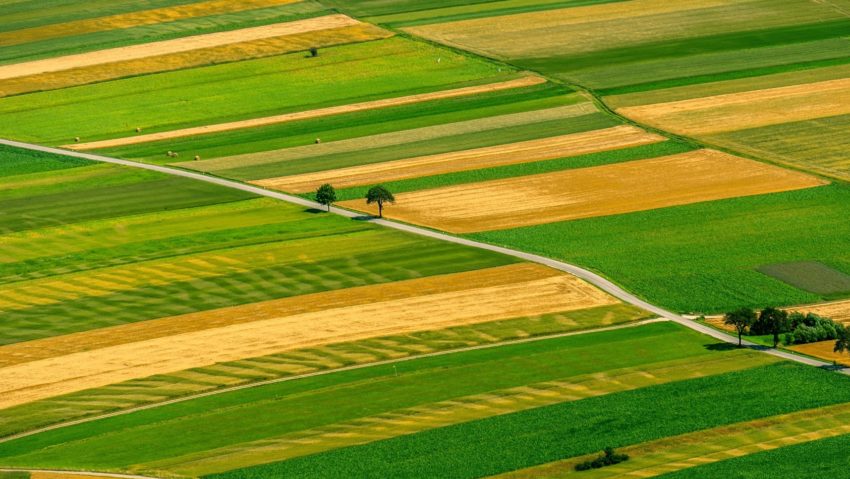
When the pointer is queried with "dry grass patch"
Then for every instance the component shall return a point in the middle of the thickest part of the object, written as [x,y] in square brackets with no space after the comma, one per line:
[179,45]
[751,109]
[523,81]
[280,325]
[691,177]
[488,157]
[135,19]
[204,56]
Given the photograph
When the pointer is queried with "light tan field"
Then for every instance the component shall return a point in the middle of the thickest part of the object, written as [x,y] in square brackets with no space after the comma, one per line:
[274,326]
[166,47]
[691,177]
[823,350]
[751,109]
[837,310]
[488,157]
[523,81]
[135,19]
[205,56]
[576,30]
[393,138]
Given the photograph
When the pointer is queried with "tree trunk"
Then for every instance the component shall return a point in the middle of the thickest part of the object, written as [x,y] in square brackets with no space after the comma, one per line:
[329,207]
[380,209]
[740,343]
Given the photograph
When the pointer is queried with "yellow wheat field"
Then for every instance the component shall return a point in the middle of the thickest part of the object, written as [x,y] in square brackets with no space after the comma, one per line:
[135,19]
[751,109]
[271,327]
[488,157]
[166,47]
[205,56]
[523,81]
[691,177]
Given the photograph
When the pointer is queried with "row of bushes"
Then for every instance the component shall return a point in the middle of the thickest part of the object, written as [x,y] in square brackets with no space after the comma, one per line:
[794,328]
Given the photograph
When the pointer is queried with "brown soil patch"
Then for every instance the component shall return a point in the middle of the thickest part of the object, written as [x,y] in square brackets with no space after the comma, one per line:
[524,81]
[197,42]
[196,58]
[691,177]
[751,109]
[135,19]
[522,152]
[203,339]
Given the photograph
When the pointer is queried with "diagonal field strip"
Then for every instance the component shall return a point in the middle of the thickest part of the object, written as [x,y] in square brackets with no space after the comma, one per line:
[524,81]
[704,447]
[56,474]
[445,413]
[600,282]
[179,45]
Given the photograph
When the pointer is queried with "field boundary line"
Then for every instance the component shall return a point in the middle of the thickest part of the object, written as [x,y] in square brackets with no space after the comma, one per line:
[593,278]
[387,362]
[79,473]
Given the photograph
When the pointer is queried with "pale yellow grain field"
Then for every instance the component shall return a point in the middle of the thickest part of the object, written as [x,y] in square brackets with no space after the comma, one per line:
[272,327]
[478,158]
[691,177]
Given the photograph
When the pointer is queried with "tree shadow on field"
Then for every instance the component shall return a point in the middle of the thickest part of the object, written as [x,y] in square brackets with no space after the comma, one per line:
[363,218]
[314,211]
[721,347]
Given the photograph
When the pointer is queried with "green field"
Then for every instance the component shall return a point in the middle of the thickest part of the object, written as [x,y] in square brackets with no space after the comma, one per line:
[236,91]
[703,257]
[213,426]
[16,162]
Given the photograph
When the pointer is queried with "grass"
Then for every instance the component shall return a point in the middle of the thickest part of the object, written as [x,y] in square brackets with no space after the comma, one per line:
[218,421]
[703,257]
[169,386]
[810,276]
[14,161]
[524,169]
[823,459]
[500,444]
[235,91]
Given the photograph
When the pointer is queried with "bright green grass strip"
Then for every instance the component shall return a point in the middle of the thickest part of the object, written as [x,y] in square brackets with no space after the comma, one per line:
[255,88]
[466,141]
[822,459]
[351,125]
[218,421]
[514,441]
[703,257]
[548,166]
[70,45]
[14,161]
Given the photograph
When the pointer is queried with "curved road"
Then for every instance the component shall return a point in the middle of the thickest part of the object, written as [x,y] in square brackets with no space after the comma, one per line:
[589,276]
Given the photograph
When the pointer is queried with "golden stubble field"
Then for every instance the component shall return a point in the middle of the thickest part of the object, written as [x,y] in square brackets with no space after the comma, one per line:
[174,344]
[696,176]
[487,157]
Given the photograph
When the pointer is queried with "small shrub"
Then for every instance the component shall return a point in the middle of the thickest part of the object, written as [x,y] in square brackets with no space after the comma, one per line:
[609,457]
[314,52]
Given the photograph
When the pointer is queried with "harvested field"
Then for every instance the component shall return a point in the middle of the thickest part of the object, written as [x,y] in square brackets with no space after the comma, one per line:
[836,310]
[166,47]
[576,30]
[279,325]
[704,447]
[392,139]
[488,157]
[752,109]
[823,350]
[692,177]
[524,81]
[204,56]
[134,19]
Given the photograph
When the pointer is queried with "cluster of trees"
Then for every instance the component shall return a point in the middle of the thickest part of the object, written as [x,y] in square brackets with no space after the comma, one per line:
[609,457]
[793,328]
[326,195]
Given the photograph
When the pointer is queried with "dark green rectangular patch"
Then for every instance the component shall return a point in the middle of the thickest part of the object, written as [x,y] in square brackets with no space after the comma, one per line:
[810,276]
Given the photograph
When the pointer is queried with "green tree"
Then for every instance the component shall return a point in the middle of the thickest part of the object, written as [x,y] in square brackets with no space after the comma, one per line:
[380,195]
[742,319]
[774,321]
[842,344]
[326,195]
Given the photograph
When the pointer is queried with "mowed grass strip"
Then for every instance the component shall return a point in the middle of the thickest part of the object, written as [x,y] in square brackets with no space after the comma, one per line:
[154,49]
[713,445]
[377,390]
[243,50]
[573,428]
[692,177]
[134,19]
[524,81]
[487,157]
[273,327]
[163,387]
[739,111]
